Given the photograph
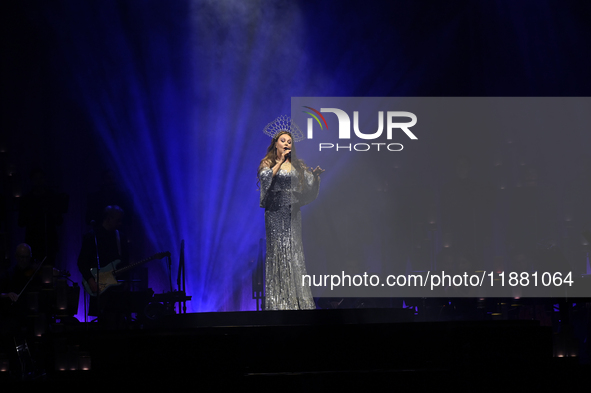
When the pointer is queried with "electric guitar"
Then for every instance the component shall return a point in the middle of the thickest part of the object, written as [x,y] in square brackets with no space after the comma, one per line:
[107,275]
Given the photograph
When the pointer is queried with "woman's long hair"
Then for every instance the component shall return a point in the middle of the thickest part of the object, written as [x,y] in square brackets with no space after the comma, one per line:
[270,158]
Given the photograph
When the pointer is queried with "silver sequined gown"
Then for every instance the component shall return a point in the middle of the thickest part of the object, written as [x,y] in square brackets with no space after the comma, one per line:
[282,196]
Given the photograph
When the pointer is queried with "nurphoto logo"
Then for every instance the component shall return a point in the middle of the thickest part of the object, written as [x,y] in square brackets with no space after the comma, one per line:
[391,119]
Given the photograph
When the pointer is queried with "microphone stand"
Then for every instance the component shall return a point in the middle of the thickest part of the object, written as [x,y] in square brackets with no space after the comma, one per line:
[98,287]
[180,280]
[169,271]
[184,289]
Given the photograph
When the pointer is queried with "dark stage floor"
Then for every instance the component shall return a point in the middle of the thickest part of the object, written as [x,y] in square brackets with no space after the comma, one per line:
[312,350]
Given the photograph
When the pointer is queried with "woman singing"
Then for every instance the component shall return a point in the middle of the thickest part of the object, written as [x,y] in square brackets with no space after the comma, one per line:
[286,184]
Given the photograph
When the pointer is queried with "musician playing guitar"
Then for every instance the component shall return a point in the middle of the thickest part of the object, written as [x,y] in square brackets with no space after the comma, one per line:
[103,245]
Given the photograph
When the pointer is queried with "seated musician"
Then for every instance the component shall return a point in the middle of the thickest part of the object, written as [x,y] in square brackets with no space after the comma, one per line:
[16,278]
[21,297]
[104,245]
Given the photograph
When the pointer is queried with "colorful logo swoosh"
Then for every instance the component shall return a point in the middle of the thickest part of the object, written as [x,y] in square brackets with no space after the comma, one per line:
[314,116]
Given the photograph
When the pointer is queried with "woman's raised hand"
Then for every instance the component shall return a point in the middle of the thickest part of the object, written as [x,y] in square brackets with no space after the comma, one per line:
[316,171]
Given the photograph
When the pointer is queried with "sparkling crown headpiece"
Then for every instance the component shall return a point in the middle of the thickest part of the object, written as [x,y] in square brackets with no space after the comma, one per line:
[284,123]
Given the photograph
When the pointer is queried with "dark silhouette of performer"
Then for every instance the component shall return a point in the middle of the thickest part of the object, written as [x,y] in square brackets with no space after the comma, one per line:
[104,244]
[109,194]
[21,297]
[17,277]
[21,286]
[40,213]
